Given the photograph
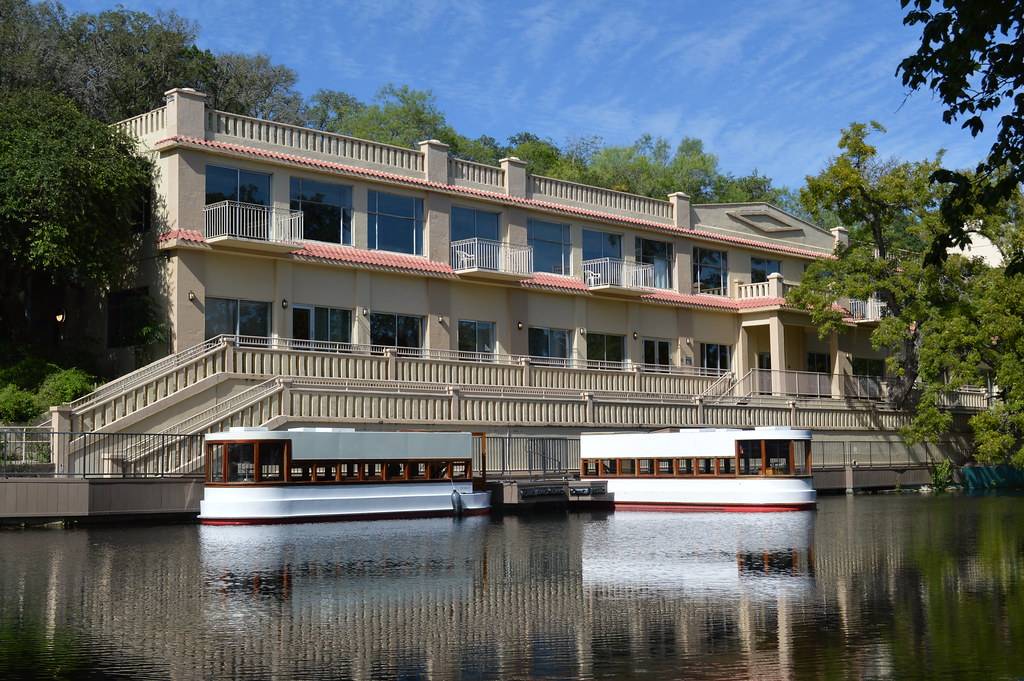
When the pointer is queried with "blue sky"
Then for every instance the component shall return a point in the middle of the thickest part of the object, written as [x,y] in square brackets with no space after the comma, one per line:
[766,85]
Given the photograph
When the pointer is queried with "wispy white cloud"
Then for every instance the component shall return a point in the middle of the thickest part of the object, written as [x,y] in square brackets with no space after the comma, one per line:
[765,85]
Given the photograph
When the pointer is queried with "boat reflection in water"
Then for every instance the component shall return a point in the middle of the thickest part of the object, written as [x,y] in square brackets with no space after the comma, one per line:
[544,597]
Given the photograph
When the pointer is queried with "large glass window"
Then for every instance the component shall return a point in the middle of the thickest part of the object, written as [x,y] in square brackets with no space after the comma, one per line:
[864,366]
[760,268]
[321,324]
[469,223]
[396,330]
[241,466]
[605,348]
[711,271]
[476,336]
[551,246]
[657,352]
[326,210]
[818,362]
[233,184]
[601,245]
[237,317]
[394,223]
[556,343]
[271,461]
[659,254]
[715,356]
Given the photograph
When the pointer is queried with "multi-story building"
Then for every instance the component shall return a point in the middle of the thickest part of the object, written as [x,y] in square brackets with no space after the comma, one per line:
[311,277]
[270,230]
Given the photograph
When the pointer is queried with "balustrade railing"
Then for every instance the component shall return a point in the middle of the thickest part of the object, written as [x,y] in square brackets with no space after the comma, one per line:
[550,188]
[620,273]
[252,221]
[475,173]
[222,123]
[760,289]
[492,256]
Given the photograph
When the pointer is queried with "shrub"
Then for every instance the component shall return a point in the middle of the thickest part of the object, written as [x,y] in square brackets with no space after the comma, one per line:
[27,374]
[942,474]
[65,385]
[17,405]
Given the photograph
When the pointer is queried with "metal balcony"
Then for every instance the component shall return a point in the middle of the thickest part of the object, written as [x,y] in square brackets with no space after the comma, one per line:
[234,221]
[489,259]
[618,276]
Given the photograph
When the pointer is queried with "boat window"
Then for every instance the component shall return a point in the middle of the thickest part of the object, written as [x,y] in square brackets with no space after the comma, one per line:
[627,467]
[685,466]
[216,463]
[349,470]
[663,467]
[590,467]
[438,470]
[418,471]
[271,461]
[610,466]
[727,466]
[396,470]
[645,467]
[750,457]
[777,453]
[706,466]
[460,470]
[325,471]
[300,471]
[373,471]
[241,467]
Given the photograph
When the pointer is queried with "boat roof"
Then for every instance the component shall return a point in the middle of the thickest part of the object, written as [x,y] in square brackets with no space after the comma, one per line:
[349,444]
[685,442]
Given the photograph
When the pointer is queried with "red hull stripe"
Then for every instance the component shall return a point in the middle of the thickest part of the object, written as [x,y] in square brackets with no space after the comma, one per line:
[697,508]
[399,515]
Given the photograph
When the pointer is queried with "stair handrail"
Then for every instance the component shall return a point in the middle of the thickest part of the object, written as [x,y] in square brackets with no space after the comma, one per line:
[188,426]
[142,374]
[726,378]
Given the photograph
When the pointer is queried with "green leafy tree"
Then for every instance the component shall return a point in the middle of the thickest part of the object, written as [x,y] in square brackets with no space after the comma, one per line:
[971,55]
[889,208]
[70,191]
[255,86]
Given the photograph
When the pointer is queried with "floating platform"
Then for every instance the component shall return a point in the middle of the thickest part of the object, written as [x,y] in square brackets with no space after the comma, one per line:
[515,496]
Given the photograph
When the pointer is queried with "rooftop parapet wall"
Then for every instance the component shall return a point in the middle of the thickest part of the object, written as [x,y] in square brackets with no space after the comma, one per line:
[187,115]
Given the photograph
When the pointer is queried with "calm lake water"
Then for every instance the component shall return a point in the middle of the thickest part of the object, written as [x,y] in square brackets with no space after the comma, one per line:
[898,587]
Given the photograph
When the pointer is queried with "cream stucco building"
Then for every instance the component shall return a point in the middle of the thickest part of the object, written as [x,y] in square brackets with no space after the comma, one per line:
[307,277]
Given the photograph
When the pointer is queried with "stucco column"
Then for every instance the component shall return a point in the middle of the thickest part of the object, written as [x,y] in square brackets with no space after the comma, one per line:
[60,422]
[841,365]
[777,345]
[361,322]
[741,357]
[185,112]
[188,298]
[435,160]
[515,176]
[281,316]
[680,209]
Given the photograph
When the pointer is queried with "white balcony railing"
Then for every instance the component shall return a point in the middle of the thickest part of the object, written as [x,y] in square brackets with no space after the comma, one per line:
[870,310]
[251,221]
[493,256]
[759,290]
[620,273]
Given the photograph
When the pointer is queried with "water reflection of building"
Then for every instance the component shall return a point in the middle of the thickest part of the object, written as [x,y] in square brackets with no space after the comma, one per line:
[536,597]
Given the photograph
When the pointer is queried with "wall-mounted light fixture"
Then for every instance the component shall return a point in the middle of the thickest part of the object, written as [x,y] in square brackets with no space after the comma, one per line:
[688,340]
[191,296]
[635,335]
[440,319]
[284,303]
[583,331]
[366,311]
[60,317]
[519,325]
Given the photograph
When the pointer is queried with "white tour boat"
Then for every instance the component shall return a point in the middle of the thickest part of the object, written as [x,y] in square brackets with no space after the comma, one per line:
[764,469]
[255,475]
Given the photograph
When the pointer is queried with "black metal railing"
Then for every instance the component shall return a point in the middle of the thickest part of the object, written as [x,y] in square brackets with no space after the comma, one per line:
[107,455]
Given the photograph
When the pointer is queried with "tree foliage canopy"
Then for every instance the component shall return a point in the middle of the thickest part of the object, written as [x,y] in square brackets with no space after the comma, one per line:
[71,189]
[971,55]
